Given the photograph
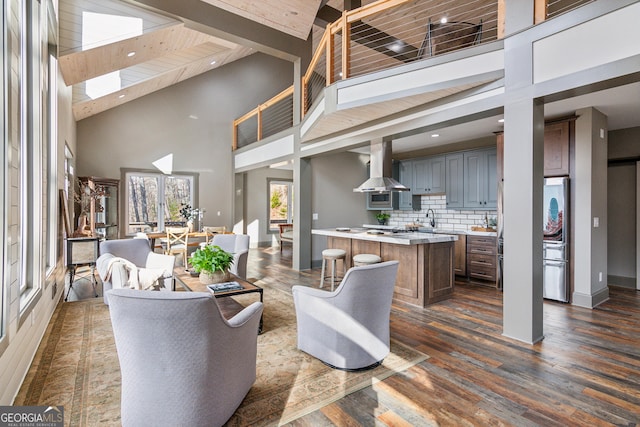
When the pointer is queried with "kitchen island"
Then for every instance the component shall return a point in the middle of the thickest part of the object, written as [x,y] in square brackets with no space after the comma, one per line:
[425,273]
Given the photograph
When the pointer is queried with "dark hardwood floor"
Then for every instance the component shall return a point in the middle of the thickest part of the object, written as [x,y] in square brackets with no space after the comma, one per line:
[586,371]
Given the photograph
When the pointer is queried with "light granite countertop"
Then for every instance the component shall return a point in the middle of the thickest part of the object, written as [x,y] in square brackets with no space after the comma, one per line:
[467,232]
[400,238]
[436,230]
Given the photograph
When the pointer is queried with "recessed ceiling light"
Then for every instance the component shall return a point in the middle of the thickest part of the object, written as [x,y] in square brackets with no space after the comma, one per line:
[435,135]
[121,96]
[396,46]
[130,54]
[213,62]
[443,20]
[501,121]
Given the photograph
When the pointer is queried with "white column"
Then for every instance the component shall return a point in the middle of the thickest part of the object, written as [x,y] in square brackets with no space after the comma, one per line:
[523,187]
[523,183]
[590,239]
[302,214]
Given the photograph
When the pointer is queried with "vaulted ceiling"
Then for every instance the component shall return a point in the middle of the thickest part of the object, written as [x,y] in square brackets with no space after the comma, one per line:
[114,51]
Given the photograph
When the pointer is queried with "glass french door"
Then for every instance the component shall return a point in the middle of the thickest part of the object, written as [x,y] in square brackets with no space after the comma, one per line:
[153,200]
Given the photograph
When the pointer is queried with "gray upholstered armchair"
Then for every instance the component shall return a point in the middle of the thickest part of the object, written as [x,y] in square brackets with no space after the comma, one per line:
[115,275]
[238,245]
[348,328]
[178,345]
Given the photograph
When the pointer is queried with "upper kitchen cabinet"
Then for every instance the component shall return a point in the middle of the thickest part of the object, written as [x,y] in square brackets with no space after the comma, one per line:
[455,180]
[556,148]
[406,178]
[429,175]
[480,179]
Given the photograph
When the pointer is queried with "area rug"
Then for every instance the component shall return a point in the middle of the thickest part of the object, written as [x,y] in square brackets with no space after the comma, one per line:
[77,366]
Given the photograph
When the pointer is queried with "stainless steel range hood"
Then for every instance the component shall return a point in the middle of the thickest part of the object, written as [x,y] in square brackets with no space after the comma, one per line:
[380,168]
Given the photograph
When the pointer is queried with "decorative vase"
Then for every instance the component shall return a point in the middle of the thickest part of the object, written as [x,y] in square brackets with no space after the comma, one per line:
[190,225]
[207,278]
[382,221]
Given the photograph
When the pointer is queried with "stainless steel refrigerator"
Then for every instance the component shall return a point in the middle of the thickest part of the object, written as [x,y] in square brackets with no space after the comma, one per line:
[555,257]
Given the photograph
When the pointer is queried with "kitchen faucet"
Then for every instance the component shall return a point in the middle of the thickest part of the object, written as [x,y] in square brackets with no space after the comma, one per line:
[433,218]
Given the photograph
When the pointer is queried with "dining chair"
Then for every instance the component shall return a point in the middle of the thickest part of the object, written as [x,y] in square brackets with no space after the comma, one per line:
[442,37]
[177,242]
[211,231]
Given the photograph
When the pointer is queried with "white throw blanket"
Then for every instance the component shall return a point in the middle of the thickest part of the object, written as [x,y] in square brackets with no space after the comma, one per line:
[139,278]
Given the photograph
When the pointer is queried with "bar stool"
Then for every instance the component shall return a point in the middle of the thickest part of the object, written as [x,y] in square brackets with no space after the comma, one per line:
[333,255]
[365,259]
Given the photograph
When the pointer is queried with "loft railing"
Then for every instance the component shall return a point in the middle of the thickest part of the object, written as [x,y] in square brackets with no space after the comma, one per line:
[389,33]
[547,9]
[382,35]
[266,119]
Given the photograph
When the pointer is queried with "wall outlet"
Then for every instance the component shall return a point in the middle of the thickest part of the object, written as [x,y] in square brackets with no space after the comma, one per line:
[600,276]
[315,216]
[596,222]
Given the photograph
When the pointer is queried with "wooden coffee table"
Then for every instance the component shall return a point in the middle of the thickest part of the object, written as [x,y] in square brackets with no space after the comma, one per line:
[230,307]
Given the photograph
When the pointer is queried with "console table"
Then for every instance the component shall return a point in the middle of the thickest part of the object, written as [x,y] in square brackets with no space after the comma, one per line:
[82,251]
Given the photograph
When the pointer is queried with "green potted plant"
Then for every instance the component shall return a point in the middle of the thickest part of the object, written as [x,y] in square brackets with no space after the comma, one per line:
[382,217]
[212,262]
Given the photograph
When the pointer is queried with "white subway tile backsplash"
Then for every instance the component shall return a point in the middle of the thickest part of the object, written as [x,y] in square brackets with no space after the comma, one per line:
[461,220]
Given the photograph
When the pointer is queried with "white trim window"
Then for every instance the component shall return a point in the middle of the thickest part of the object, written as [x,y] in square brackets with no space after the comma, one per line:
[280,208]
[52,169]
[153,200]
[31,151]
[3,168]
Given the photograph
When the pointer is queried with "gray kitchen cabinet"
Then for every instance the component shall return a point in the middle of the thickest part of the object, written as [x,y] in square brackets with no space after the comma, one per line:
[480,179]
[429,175]
[406,178]
[455,180]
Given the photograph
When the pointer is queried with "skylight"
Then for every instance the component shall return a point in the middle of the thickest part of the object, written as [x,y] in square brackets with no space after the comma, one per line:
[99,29]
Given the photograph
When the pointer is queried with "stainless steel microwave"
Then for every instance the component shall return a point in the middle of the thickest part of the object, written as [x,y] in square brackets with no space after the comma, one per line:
[386,200]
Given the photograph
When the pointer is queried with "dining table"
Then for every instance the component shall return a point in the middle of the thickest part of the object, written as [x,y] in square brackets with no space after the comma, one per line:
[192,235]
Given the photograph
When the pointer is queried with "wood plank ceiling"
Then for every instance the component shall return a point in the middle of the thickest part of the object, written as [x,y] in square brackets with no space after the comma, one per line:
[113,51]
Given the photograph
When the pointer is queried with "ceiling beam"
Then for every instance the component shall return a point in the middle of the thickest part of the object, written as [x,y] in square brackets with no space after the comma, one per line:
[217,22]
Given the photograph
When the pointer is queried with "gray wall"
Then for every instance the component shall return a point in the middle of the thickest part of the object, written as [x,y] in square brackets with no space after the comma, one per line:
[624,143]
[333,199]
[149,128]
[334,178]
[622,213]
